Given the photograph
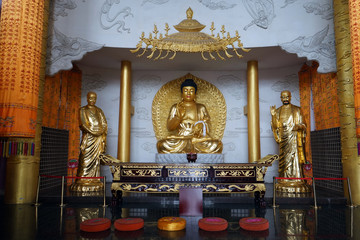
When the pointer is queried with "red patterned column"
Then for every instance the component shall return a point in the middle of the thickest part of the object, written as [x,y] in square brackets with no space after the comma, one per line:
[20,53]
[22,68]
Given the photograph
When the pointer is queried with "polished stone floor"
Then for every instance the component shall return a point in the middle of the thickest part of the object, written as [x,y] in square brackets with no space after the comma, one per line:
[293,218]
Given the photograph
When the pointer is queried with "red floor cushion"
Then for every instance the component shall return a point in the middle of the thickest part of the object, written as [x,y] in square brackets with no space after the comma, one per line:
[95,225]
[171,223]
[129,224]
[213,224]
[254,224]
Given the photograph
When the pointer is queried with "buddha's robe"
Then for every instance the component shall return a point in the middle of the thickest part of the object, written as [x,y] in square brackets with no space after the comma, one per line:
[189,138]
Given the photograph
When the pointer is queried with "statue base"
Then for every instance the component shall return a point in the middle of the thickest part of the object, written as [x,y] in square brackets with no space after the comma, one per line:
[182,158]
[87,185]
[291,186]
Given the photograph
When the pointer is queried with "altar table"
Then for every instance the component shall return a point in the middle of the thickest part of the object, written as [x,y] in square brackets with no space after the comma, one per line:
[211,178]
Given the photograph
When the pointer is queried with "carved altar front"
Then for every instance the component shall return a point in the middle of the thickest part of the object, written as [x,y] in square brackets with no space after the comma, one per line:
[212,178]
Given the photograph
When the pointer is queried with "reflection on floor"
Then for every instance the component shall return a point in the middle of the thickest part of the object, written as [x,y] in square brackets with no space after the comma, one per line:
[298,220]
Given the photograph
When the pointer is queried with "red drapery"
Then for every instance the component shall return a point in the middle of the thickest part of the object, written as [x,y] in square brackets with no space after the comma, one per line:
[62,100]
[326,103]
[324,94]
[325,100]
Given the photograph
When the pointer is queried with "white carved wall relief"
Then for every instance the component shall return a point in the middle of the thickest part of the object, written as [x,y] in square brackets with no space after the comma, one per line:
[319,47]
[62,50]
[109,19]
[262,12]
[217,5]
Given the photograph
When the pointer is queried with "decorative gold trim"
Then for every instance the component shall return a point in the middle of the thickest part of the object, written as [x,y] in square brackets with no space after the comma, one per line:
[233,167]
[187,166]
[174,187]
[189,39]
[187,173]
[235,173]
[140,173]
[260,173]
[141,166]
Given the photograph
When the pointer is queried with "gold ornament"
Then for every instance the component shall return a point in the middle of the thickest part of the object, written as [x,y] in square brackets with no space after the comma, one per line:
[189,39]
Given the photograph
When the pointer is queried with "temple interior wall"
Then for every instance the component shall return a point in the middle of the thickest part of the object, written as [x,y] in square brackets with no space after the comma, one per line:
[78,27]
[259,23]
[232,84]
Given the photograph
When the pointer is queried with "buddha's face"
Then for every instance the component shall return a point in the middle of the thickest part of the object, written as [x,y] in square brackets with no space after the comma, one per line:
[91,99]
[188,93]
[285,97]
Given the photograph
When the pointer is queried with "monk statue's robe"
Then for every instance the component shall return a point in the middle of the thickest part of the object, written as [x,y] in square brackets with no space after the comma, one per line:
[289,132]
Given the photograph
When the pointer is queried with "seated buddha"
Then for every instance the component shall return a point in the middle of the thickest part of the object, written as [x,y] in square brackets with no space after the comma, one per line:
[189,123]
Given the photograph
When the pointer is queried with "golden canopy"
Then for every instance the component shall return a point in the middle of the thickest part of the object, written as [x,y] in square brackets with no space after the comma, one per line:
[188,39]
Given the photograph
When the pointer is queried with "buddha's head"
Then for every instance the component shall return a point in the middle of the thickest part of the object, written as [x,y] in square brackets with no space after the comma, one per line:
[188,90]
[285,97]
[91,98]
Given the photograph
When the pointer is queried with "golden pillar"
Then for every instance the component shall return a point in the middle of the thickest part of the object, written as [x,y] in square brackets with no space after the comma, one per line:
[345,85]
[253,111]
[124,113]
[22,74]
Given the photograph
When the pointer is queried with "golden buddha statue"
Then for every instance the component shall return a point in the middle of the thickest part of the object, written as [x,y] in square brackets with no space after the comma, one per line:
[93,144]
[289,132]
[189,126]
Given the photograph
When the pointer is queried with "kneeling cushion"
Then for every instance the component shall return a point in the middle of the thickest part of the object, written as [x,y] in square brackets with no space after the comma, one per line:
[254,224]
[129,224]
[213,224]
[95,225]
[171,223]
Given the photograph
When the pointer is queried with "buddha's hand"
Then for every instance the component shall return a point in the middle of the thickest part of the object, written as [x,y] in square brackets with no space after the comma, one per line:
[198,130]
[273,110]
[180,110]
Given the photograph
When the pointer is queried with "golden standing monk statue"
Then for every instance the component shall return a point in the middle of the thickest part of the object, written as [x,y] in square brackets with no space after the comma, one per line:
[93,143]
[189,123]
[289,132]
